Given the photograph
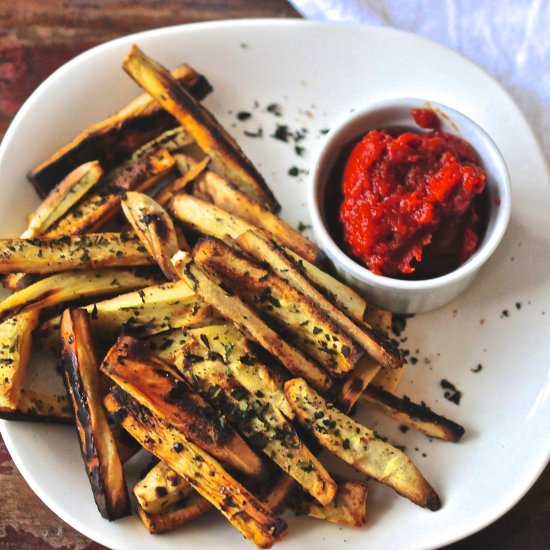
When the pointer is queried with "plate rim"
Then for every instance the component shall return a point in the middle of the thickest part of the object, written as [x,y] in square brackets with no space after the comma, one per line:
[254,22]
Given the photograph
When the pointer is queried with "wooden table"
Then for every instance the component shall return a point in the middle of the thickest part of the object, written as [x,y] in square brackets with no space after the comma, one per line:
[38,36]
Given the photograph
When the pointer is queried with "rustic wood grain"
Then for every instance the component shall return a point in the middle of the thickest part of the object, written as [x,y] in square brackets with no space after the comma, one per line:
[36,37]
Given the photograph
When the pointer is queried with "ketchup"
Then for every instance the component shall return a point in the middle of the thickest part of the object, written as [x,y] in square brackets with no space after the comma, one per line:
[410,201]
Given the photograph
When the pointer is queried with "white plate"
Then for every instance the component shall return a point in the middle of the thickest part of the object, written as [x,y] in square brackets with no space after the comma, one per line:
[326,70]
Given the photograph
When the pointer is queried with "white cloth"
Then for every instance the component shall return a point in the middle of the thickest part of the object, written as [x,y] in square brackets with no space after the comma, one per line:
[510,39]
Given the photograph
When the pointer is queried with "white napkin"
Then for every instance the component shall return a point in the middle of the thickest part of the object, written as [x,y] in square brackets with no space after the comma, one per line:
[510,39]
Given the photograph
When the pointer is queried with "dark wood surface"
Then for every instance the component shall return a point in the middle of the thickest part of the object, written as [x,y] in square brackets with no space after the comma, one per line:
[36,37]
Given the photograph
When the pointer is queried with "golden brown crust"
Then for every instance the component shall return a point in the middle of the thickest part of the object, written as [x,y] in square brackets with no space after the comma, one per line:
[176,515]
[157,386]
[114,139]
[98,447]
[206,130]
[90,251]
[414,415]
[295,316]
[253,519]
[359,446]
[371,339]
[74,285]
[223,299]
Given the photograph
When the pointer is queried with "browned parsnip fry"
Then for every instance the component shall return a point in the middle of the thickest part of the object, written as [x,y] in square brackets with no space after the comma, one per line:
[223,299]
[348,508]
[176,515]
[112,140]
[361,377]
[91,251]
[99,452]
[167,345]
[151,310]
[294,315]
[93,211]
[243,364]
[280,493]
[39,406]
[341,295]
[158,387]
[264,426]
[388,379]
[161,488]
[378,318]
[62,197]
[15,350]
[143,172]
[412,414]
[355,384]
[155,229]
[204,217]
[189,174]
[74,285]
[225,153]
[229,198]
[372,340]
[359,446]
[172,140]
[253,519]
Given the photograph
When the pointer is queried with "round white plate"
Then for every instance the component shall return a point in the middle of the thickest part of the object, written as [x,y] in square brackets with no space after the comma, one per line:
[315,72]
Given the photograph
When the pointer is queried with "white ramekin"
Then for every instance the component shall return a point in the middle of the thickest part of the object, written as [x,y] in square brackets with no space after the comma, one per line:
[396,295]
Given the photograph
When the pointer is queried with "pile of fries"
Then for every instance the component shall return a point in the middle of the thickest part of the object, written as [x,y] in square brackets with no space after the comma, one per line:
[229,353]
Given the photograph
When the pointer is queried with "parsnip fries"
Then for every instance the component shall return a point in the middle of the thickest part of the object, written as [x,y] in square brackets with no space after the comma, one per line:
[195,324]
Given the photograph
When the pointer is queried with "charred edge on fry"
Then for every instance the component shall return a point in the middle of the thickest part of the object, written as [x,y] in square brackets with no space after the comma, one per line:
[112,148]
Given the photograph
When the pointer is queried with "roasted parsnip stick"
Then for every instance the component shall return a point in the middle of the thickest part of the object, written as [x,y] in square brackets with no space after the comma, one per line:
[114,139]
[93,211]
[412,414]
[15,350]
[62,197]
[73,285]
[230,306]
[207,132]
[158,387]
[229,198]
[263,425]
[294,315]
[99,451]
[155,229]
[370,339]
[91,251]
[253,519]
[359,446]
[243,363]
